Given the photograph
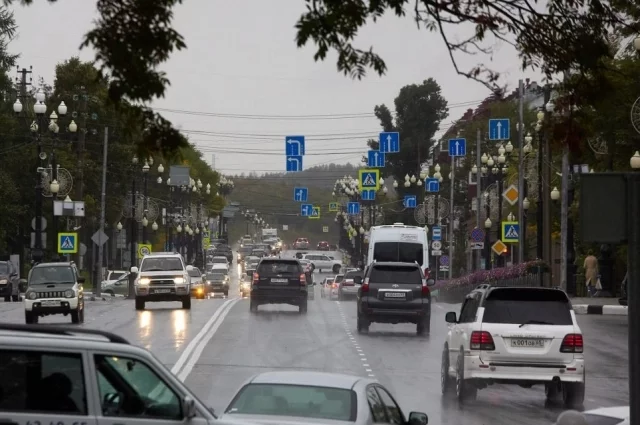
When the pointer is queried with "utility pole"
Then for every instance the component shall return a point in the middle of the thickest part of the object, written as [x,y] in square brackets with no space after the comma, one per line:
[103,198]
[479,225]
[564,215]
[521,188]
[546,181]
[80,153]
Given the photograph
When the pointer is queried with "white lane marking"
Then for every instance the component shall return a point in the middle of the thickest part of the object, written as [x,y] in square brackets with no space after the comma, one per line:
[355,343]
[194,342]
[439,306]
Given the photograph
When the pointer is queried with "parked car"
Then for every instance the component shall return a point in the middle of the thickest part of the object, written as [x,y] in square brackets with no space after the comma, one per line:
[9,281]
[120,286]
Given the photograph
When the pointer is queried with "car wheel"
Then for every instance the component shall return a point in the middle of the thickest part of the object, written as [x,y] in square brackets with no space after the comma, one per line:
[75,316]
[573,394]
[302,308]
[109,292]
[186,303]
[15,298]
[446,381]
[253,306]
[30,318]
[464,391]
[139,304]
[362,324]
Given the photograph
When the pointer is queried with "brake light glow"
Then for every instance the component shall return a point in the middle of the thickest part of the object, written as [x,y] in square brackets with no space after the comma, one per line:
[303,279]
[572,343]
[481,340]
[334,285]
[365,285]
[256,278]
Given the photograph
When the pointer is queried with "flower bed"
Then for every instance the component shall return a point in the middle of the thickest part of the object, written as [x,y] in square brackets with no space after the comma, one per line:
[524,274]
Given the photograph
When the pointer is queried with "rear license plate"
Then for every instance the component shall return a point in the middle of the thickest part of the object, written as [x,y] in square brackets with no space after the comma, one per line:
[395,295]
[528,343]
[162,291]
[279,280]
[51,303]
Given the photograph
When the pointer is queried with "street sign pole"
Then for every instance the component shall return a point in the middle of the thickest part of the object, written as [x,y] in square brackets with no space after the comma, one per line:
[479,191]
[453,175]
[97,284]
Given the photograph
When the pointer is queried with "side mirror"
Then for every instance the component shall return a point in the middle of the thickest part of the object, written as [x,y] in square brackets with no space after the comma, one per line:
[189,407]
[450,317]
[81,279]
[357,280]
[134,269]
[431,282]
[418,418]
[14,274]
[189,268]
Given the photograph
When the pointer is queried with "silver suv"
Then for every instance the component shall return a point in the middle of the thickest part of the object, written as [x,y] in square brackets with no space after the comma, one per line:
[162,277]
[70,375]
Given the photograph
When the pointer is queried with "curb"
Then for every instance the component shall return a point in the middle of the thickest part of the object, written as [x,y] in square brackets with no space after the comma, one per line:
[103,295]
[611,310]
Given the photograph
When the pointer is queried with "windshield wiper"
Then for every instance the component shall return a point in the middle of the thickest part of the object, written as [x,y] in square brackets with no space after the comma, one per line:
[535,322]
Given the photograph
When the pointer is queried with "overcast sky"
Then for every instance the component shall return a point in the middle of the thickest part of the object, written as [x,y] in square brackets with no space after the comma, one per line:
[242,60]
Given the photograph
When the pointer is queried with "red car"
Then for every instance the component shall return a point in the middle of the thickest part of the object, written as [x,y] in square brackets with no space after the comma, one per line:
[323,246]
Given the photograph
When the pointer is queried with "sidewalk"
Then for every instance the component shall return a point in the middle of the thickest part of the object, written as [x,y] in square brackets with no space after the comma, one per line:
[597,305]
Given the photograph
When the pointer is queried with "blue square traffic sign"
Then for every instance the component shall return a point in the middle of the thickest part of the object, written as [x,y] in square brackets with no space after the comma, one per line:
[499,129]
[294,146]
[300,194]
[389,142]
[458,147]
[294,163]
[375,159]
[432,185]
[436,233]
[410,201]
[306,210]
[353,208]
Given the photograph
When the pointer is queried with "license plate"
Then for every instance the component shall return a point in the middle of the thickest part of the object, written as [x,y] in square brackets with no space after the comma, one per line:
[395,295]
[279,280]
[162,291]
[51,303]
[528,343]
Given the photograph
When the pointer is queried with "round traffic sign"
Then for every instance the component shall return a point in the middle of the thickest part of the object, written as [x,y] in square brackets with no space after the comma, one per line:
[477,234]
[144,250]
[436,245]
[444,260]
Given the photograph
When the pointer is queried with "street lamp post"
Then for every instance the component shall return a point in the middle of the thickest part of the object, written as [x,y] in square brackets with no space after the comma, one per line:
[487,240]
[133,229]
[145,205]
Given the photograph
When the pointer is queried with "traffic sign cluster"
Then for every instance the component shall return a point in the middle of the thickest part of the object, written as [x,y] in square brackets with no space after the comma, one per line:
[294,149]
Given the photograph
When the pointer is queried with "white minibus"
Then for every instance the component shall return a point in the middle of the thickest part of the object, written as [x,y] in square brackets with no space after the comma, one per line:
[399,242]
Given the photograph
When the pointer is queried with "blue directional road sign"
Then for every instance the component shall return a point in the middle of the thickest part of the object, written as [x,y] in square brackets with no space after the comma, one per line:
[300,194]
[306,210]
[368,195]
[375,159]
[294,163]
[389,142]
[410,201]
[353,208]
[499,129]
[436,233]
[294,145]
[458,147]
[432,184]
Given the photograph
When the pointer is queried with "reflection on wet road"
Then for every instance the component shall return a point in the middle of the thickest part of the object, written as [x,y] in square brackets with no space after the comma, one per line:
[218,344]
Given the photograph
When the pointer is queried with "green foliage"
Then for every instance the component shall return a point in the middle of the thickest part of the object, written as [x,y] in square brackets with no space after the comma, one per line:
[419,110]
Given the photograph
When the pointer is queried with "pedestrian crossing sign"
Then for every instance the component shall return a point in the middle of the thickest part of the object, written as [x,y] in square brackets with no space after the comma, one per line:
[67,243]
[369,179]
[333,207]
[315,213]
[510,231]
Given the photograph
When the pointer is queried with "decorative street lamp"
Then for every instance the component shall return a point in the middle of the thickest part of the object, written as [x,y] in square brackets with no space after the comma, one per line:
[635,159]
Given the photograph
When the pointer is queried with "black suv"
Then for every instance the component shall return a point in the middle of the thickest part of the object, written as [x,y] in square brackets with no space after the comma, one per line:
[395,293]
[9,282]
[224,251]
[279,281]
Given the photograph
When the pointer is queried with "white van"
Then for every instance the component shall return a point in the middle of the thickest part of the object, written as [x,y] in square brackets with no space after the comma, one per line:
[399,242]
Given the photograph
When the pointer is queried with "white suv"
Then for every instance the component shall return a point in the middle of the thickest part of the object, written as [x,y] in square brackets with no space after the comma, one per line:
[514,335]
[162,277]
[323,262]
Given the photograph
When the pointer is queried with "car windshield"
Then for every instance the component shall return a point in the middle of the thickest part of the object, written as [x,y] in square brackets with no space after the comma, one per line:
[116,275]
[352,275]
[400,252]
[218,260]
[270,268]
[4,268]
[161,264]
[295,400]
[195,273]
[527,305]
[339,278]
[216,277]
[53,274]
[245,249]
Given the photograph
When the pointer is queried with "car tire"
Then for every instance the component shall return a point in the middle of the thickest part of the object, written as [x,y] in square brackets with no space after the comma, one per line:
[226,293]
[464,390]
[30,318]
[139,304]
[573,394]
[447,383]
[109,292]
[302,308]
[552,391]
[336,268]
[424,326]
[15,298]
[77,316]
[253,306]
[362,324]
[186,303]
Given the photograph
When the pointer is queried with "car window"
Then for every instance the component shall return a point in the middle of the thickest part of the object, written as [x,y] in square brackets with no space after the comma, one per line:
[161,264]
[4,268]
[401,252]
[116,275]
[42,382]
[339,278]
[131,389]
[295,400]
[53,274]
[395,274]
[525,305]
[216,277]
[376,407]
[269,268]
[393,410]
[218,260]
[352,275]
[469,309]
[601,420]
[195,273]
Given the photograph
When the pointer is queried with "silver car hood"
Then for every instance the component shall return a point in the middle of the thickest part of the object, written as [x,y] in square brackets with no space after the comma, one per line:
[277,420]
[162,273]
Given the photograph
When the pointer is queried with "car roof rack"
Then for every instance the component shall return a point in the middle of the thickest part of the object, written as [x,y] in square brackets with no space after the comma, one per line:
[61,330]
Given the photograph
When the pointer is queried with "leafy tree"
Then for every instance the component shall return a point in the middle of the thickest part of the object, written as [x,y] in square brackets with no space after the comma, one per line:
[419,110]
[568,35]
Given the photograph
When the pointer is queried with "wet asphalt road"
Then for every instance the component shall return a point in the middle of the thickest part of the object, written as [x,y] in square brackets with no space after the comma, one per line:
[218,345]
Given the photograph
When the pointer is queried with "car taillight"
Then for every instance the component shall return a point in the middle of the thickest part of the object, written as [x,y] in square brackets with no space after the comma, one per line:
[334,286]
[572,343]
[425,288]
[481,340]
[365,285]
[303,279]
[256,278]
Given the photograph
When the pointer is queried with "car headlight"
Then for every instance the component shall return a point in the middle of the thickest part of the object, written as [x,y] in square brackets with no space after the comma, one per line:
[178,280]
[69,293]
[144,281]
[3,281]
[32,295]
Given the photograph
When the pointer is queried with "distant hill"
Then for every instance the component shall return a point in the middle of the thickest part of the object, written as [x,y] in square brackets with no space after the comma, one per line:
[318,176]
